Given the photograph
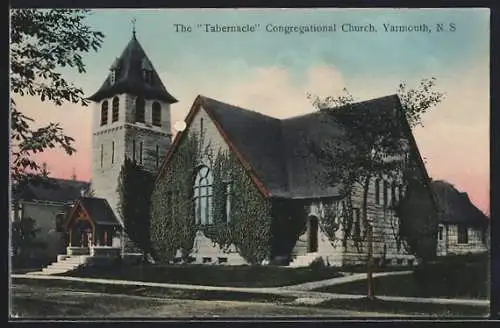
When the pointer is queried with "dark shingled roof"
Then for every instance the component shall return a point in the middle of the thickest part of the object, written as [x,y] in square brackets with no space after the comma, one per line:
[129,77]
[279,150]
[99,210]
[50,189]
[456,206]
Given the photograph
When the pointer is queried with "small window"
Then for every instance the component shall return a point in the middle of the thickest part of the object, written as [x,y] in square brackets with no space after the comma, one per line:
[440,233]
[157,156]
[140,152]
[228,202]
[116,109]
[201,125]
[400,192]
[112,152]
[102,154]
[140,107]
[377,191]
[463,237]
[104,113]
[393,192]
[156,114]
[386,187]
[357,223]
[222,260]
[133,150]
[207,260]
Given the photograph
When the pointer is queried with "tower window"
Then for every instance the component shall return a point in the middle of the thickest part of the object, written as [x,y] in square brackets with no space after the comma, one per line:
[201,125]
[102,153]
[140,153]
[133,150]
[104,113]
[112,152]
[157,156]
[377,191]
[116,109]
[140,110]
[156,114]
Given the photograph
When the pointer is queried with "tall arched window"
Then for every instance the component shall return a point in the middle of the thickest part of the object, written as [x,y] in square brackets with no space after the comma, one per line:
[156,114]
[104,113]
[116,109]
[140,110]
[203,196]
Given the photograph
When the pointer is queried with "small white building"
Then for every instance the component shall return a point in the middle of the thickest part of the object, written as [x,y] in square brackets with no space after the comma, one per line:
[463,228]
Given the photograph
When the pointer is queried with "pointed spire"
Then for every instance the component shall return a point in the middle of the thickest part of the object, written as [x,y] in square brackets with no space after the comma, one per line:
[133,27]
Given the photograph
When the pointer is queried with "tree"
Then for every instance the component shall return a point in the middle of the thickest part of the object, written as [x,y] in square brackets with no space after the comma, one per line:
[377,148]
[43,42]
[135,186]
[24,233]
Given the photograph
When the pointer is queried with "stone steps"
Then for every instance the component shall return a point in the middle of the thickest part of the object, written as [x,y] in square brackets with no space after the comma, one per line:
[303,260]
[64,264]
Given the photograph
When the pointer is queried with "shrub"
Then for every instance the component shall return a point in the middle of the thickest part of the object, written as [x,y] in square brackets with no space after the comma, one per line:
[465,275]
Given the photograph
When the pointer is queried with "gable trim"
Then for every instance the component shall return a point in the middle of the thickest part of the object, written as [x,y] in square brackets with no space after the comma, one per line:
[71,218]
[195,108]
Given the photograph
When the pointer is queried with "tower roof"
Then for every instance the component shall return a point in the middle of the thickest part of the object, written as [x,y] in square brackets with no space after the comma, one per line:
[129,76]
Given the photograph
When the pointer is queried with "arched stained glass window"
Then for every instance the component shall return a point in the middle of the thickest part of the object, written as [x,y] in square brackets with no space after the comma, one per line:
[203,196]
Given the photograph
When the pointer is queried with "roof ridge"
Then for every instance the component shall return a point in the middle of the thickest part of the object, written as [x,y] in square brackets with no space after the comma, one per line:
[204,98]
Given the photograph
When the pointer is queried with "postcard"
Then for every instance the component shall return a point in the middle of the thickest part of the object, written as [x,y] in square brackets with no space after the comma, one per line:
[249,163]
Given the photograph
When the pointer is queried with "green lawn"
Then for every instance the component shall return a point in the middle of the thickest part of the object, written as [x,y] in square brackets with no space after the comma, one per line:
[147,291]
[403,285]
[407,308]
[234,276]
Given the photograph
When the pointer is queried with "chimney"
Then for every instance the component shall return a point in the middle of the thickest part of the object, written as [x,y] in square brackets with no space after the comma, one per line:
[73,175]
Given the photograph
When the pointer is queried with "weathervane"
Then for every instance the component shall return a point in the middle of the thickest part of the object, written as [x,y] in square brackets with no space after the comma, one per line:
[133,26]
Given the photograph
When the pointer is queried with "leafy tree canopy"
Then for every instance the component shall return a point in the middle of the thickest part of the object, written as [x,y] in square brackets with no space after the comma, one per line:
[42,42]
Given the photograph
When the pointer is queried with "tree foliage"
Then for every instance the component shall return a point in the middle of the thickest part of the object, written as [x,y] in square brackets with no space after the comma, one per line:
[24,236]
[135,186]
[43,42]
[378,145]
[173,225]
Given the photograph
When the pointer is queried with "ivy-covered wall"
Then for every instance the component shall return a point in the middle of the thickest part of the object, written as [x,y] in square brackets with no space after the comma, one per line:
[173,226]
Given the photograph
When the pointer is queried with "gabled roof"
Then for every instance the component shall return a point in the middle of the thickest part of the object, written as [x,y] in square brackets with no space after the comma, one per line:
[49,189]
[98,210]
[275,152]
[129,77]
[456,207]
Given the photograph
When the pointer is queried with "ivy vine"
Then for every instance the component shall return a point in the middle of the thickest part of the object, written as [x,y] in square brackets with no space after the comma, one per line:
[248,226]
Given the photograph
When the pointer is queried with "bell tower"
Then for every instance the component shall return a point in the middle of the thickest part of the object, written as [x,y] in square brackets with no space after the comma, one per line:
[131,118]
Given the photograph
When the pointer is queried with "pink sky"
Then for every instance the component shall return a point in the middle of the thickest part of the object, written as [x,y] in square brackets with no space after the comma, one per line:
[454,140]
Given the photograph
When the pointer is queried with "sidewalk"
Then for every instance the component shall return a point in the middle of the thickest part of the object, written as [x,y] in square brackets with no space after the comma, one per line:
[340,280]
[304,295]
